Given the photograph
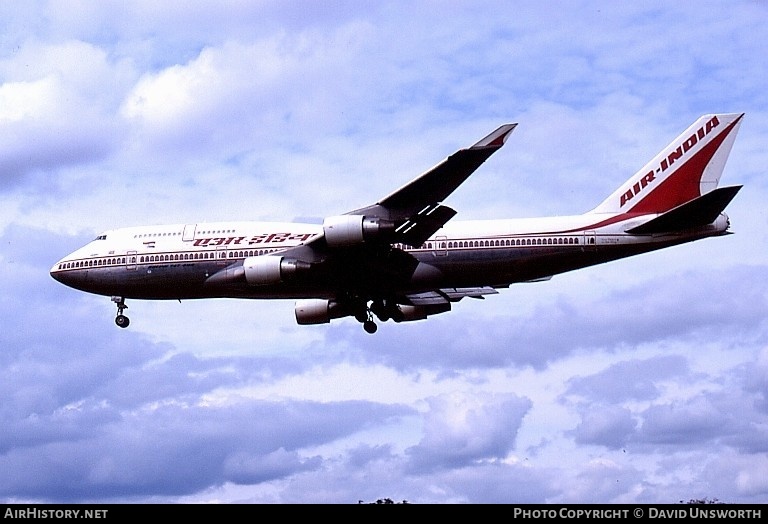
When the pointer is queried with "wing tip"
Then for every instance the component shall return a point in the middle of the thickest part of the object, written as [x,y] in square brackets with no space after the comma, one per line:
[497,138]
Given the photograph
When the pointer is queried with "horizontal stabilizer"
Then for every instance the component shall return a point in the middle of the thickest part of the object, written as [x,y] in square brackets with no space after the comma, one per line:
[698,212]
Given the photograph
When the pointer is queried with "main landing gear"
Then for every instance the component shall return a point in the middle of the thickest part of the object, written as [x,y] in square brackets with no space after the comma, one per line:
[382,309]
[121,320]
[366,319]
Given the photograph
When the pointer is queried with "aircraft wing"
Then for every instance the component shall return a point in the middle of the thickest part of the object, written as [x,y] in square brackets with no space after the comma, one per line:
[446,295]
[415,208]
[349,249]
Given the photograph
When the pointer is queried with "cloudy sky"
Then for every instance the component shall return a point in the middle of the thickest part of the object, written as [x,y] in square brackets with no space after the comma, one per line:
[644,380]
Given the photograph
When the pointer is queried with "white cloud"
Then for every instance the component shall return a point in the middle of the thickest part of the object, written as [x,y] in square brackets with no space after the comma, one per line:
[463,429]
[642,380]
[26,100]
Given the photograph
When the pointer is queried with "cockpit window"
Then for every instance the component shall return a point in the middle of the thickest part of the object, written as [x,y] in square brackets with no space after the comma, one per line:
[101,237]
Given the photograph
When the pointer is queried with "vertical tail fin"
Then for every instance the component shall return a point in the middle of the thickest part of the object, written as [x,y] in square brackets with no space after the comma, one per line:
[687,168]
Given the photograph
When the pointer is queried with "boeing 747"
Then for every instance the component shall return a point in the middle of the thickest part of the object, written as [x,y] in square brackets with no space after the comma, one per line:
[403,258]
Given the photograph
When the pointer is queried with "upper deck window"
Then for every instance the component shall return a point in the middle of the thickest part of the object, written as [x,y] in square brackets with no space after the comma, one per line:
[101,237]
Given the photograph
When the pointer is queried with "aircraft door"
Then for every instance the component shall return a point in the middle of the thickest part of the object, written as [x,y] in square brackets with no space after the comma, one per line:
[130,264]
[189,232]
[590,239]
[221,255]
[441,246]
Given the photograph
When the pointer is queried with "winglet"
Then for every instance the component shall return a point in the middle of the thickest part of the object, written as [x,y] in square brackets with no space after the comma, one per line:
[496,138]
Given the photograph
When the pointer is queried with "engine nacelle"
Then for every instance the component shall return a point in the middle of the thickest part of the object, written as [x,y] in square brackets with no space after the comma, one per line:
[410,313]
[321,311]
[350,230]
[318,311]
[266,270]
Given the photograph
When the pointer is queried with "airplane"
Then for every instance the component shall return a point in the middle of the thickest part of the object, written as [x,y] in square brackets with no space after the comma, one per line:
[402,258]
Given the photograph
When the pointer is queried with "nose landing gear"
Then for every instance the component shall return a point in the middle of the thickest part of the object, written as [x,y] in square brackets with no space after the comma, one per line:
[121,320]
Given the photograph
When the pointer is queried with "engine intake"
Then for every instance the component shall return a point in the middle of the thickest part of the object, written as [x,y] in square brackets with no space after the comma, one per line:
[266,270]
[350,230]
[410,313]
[318,311]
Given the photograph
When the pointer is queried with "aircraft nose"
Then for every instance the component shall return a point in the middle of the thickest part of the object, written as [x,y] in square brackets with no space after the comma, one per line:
[57,273]
[67,276]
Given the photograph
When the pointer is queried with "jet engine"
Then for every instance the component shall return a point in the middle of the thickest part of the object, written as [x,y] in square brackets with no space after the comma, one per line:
[318,311]
[321,311]
[350,230]
[409,313]
[266,270]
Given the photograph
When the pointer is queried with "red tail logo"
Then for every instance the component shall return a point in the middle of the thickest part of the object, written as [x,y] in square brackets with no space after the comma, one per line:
[675,155]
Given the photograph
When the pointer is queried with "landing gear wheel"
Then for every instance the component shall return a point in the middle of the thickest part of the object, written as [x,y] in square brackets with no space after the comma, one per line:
[121,320]
[370,326]
[380,309]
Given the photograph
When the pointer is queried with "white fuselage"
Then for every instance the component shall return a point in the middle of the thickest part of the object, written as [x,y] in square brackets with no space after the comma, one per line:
[178,261]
